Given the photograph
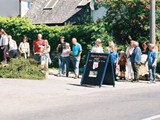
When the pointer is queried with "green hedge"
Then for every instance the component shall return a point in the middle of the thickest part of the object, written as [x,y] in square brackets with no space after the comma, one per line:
[21,68]
[86,34]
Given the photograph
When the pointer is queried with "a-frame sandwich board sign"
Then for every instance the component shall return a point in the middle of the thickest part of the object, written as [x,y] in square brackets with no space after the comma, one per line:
[95,70]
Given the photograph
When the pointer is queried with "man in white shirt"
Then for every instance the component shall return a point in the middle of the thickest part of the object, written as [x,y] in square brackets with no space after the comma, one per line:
[97,48]
[12,50]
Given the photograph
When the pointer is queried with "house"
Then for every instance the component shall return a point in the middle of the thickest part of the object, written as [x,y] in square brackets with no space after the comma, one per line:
[59,12]
[11,8]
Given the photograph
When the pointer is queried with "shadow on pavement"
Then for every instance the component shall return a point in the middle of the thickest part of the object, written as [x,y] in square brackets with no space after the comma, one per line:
[88,86]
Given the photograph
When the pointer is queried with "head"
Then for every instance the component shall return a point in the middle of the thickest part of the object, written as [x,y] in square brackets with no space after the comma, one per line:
[74,41]
[67,46]
[39,36]
[136,44]
[9,37]
[122,53]
[111,43]
[2,32]
[131,43]
[98,42]
[151,46]
[46,42]
[25,39]
[62,39]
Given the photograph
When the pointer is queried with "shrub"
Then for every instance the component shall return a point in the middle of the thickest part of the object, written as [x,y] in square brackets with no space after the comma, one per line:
[21,68]
[158,64]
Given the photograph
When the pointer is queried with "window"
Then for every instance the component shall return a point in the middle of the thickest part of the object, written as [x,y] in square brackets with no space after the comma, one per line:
[50,5]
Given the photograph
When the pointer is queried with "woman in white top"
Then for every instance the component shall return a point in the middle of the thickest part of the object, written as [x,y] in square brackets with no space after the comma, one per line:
[129,70]
[3,46]
[97,48]
[45,57]
[65,60]
[24,48]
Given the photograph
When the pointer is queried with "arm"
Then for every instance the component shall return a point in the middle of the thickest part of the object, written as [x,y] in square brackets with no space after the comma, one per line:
[58,47]
[155,61]
[80,50]
[19,48]
[28,50]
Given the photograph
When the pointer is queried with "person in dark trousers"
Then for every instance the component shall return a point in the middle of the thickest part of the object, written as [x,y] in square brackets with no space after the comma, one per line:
[12,50]
[135,59]
[37,48]
[59,49]
[3,46]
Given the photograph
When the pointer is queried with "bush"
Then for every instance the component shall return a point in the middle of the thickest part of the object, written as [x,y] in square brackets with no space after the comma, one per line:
[158,64]
[86,34]
[21,68]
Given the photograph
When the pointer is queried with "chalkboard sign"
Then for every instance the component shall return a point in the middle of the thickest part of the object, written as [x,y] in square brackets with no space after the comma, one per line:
[98,70]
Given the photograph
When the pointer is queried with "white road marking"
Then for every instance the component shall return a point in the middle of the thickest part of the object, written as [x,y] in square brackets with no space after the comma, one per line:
[152,118]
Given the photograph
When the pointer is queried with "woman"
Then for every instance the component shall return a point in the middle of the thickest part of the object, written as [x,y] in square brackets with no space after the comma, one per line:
[65,59]
[129,71]
[24,48]
[110,47]
[45,57]
[3,46]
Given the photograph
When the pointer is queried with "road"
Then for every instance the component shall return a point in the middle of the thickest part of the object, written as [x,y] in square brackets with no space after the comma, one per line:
[63,99]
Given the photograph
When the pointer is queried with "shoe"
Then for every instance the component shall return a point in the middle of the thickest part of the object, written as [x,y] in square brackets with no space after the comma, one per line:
[76,77]
[149,82]
[133,80]
[59,75]
[67,75]
[154,82]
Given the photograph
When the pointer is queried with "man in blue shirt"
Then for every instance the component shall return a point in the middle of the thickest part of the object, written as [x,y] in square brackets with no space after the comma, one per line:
[135,59]
[152,63]
[76,52]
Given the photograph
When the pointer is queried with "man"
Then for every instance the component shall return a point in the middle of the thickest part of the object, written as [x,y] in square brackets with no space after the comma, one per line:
[135,59]
[37,48]
[12,50]
[3,46]
[97,48]
[59,49]
[76,52]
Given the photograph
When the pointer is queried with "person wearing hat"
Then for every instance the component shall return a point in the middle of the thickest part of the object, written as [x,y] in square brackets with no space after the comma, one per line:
[122,63]
[152,63]
[97,48]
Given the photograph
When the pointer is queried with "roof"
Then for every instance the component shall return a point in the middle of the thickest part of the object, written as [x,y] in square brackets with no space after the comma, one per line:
[60,13]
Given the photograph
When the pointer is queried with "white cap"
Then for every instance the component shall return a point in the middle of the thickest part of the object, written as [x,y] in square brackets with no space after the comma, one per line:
[98,40]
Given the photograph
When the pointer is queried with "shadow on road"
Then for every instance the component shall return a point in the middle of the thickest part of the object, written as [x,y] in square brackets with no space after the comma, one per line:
[87,86]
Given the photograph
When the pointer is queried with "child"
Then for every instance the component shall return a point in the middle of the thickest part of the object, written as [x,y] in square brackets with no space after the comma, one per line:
[122,63]
[152,63]
[114,59]
[65,59]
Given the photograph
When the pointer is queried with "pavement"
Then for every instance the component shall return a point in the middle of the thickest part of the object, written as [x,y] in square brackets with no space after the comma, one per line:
[60,98]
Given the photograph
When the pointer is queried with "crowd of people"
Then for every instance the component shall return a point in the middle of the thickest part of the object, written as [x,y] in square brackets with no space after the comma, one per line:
[126,63]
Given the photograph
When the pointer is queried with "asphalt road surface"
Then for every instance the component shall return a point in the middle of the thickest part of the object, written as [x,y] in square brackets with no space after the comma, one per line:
[63,99]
